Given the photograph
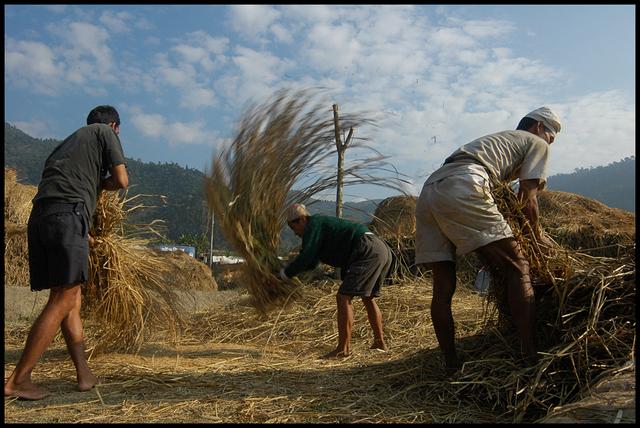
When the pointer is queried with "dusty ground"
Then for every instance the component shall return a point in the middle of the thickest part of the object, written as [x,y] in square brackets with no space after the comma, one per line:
[230,366]
[271,376]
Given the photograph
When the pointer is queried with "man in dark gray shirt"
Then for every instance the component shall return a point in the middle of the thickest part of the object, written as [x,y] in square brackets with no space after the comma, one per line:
[88,161]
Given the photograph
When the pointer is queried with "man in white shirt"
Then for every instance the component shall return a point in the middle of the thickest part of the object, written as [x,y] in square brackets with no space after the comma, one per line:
[456,213]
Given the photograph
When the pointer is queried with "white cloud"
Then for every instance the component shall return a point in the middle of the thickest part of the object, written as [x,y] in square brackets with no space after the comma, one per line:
[504,71]
[88,40]
[281,33]
[252,20]
[451,38]
[151,125]
[312,13]
[118,22]
[213,45]
[189,65]
[179,77]
[33,65]
[199,97]
[258,75]
[332,47]
[191,53]
[157,126]
[486,28]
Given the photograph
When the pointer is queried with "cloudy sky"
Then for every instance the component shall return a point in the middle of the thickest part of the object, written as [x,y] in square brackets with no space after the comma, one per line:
[435,77]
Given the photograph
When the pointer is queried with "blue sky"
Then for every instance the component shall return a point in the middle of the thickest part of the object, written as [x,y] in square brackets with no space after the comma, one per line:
[434,77]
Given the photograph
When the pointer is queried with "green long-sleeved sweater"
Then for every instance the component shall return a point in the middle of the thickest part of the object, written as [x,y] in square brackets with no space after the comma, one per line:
[328,240]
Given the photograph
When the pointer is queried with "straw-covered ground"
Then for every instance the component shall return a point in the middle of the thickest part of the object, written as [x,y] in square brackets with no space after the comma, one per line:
[231,365]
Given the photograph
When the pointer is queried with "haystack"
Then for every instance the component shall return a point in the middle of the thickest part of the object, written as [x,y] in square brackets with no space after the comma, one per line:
[394,217]
[585,323]
[17,207]
[186,272]
[584,224]
[394,221]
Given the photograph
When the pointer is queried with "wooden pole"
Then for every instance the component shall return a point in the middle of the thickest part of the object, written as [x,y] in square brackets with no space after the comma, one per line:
[341,147]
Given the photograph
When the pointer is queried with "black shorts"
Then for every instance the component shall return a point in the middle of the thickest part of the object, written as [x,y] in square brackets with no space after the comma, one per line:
[369,264]
[58,237]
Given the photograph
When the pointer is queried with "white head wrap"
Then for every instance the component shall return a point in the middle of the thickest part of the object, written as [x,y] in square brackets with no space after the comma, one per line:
[296,211]
[549,119]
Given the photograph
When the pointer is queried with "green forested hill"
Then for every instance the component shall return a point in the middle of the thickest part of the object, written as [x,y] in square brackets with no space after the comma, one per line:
[25,153]
[613,185]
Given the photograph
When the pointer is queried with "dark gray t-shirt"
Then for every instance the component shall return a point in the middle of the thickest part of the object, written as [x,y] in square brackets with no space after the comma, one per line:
[75,169]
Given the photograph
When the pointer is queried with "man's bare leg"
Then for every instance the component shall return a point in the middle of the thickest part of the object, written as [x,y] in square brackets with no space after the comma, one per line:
[19,384]
[506,254]
[375,319]
[73,336]
[444,285]
[345,325]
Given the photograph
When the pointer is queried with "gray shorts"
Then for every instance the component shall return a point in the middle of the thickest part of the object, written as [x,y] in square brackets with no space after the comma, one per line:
[457,215]
[369,264]
[58,237]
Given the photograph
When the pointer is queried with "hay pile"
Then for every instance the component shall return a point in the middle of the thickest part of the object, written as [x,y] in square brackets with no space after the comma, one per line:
[394,220]
[288,140]
[585,324]
[185,272]
[127,287]
[17,207]
[394,217]
[584,224]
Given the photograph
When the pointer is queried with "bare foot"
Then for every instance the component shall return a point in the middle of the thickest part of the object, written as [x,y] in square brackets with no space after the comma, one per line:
[26,391]
[336,354]
[379,345]
[87,382]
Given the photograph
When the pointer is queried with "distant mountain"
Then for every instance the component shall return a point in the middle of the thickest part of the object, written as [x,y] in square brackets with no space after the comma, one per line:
[613,185]
[185,212]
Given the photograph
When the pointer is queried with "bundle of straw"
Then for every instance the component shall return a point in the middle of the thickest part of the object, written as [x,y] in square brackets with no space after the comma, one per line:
[126,287]
[17,199]
[285,141]
[17,207]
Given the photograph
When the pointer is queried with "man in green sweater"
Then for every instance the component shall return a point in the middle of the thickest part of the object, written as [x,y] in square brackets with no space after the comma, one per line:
[364,261]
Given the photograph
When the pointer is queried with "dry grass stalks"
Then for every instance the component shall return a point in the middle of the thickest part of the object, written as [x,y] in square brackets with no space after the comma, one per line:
[127,288]
[17,199]
[286,141]
[585,324]
[405,384]
[586,225]
[394,220]
[17,207]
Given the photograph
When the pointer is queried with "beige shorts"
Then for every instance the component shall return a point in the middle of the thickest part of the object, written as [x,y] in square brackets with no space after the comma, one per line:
[457,215]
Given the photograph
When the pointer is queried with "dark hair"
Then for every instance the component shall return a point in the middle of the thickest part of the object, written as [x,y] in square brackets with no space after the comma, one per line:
[526,123]
[103,114]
